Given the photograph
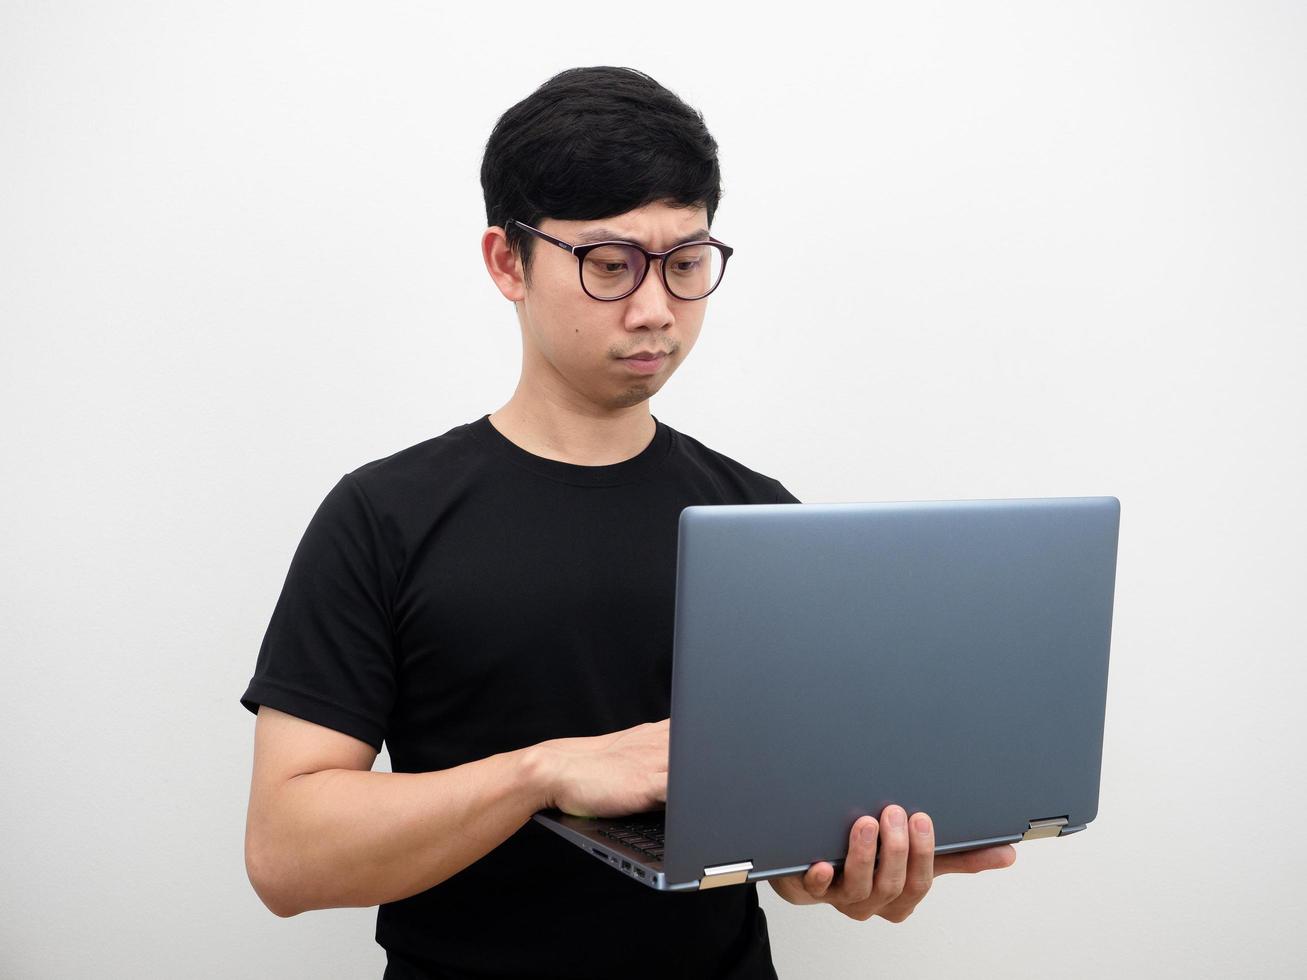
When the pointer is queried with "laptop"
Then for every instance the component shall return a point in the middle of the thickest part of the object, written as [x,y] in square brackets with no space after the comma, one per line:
[831,659]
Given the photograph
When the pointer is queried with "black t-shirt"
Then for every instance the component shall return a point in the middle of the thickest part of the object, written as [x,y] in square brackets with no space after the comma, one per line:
[464,597]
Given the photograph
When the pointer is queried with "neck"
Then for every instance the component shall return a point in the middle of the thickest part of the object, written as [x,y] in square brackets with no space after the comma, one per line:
[584,435]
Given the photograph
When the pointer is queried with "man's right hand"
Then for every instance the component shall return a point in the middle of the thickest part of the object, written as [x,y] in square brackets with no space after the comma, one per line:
[607,775]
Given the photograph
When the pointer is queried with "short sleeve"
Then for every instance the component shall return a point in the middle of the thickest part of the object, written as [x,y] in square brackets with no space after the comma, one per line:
[328,654]
[784,496]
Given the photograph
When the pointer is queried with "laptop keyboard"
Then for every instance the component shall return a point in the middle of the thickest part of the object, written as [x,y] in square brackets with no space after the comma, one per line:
[645,836]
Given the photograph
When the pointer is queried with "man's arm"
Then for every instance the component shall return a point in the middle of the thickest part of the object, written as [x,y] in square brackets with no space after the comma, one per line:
[323,831]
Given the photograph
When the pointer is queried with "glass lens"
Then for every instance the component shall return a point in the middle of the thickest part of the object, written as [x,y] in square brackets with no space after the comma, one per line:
[611,270]
[694,270]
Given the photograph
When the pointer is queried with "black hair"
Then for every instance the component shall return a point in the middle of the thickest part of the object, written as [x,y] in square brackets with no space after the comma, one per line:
[595,142]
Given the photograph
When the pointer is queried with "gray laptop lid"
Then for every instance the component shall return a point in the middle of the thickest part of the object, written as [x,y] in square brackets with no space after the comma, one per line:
[830,659]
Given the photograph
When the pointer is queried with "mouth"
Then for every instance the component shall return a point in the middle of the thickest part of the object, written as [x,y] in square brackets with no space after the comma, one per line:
[645,356]
[645,363]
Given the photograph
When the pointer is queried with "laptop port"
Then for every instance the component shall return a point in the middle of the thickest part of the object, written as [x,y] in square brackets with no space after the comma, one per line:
[639,872]
[626,865]
[598,853]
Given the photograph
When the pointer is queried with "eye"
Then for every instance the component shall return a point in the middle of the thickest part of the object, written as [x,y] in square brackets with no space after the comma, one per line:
[609,262]
[688,261]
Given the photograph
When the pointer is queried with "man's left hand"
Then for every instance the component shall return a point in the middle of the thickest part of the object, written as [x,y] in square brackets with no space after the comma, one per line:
[908,866]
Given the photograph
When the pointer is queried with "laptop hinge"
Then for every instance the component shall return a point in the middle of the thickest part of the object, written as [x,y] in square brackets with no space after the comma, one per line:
[1048,827]
[725,874]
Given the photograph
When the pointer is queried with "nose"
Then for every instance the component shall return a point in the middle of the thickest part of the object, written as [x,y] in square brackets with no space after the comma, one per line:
[650,305]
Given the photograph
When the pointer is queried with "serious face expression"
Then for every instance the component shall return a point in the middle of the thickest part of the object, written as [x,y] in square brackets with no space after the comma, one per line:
[584,344]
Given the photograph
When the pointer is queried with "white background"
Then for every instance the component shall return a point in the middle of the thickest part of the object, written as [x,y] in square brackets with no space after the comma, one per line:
[982,250]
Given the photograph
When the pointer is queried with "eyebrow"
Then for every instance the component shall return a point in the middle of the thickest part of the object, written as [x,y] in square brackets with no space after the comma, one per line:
[608,235]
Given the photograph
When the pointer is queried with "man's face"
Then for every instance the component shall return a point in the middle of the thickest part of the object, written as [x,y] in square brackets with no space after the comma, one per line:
[573,345]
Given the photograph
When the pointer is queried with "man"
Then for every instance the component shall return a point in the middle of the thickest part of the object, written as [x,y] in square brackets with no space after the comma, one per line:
[496,603]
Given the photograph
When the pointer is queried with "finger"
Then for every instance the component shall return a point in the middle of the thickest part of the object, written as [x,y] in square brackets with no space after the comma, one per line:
[817,880]
[857,876]
[893,871]
[921,856]
[981,859]
[921,861]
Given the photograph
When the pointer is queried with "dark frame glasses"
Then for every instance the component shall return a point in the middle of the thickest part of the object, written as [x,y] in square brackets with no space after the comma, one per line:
[581,251]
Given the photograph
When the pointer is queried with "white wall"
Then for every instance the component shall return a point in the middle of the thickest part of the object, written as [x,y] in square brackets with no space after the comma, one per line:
[239,257]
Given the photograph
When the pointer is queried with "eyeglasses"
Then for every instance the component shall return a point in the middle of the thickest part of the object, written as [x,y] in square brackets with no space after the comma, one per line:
[614,270]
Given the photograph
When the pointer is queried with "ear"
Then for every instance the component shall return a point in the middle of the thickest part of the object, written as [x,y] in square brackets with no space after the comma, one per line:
[503,264]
